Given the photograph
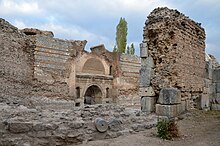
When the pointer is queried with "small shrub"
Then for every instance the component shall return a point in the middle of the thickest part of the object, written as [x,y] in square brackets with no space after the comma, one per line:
[167,129]
[162,129]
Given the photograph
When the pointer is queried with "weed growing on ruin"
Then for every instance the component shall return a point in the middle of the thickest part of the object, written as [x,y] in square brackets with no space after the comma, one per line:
[167,129]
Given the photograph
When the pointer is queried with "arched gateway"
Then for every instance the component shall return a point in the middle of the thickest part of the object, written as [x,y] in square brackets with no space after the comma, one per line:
[93,95]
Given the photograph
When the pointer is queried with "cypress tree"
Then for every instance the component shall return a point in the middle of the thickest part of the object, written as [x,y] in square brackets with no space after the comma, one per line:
[121,35]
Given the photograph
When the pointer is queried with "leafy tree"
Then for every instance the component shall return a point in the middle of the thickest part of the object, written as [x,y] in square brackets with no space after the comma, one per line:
[132,49]
[121,35]
[128,50]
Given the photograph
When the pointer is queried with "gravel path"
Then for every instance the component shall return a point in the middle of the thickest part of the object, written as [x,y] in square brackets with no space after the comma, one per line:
[197,128]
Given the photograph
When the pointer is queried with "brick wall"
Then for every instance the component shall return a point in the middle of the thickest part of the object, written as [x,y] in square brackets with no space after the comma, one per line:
[52,64]
[16,57]
[129,69]
[127,84]
[177,46]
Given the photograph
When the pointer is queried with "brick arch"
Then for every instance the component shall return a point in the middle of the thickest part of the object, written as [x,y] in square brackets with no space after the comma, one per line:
[93,94]
[81,61]
[94,66]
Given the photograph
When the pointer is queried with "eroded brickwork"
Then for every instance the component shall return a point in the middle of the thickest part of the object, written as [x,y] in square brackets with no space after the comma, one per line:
[63,67]
[129,67]
[177,46]
[16,57]
[128,80]
[52,62]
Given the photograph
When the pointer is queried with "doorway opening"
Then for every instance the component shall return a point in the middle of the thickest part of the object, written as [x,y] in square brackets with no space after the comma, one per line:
[93,95]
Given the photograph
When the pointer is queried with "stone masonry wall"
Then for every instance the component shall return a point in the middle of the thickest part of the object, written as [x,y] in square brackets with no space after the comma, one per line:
[52,65]
[129,66]
[215,100]
[16,61]
[177,47]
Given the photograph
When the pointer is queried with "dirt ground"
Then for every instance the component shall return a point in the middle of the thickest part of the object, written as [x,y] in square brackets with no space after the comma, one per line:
[197,128]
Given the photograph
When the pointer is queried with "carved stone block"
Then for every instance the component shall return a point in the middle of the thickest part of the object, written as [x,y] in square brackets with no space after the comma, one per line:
[169,96]
[148,104]
[147,91]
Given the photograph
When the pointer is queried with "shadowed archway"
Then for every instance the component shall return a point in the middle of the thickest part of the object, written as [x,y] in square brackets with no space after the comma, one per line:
[93,95]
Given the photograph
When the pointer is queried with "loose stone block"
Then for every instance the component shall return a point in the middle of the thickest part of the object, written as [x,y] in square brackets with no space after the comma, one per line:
[147,91]
[20,127]
[169,96]
[148,104]
[145,76]
[143,50]
[204,101]
[166,110]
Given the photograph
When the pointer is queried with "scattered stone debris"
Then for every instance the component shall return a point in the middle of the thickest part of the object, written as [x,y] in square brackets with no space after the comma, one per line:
[58,122]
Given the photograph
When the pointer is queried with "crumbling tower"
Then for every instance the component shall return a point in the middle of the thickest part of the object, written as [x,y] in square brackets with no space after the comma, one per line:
[173,54]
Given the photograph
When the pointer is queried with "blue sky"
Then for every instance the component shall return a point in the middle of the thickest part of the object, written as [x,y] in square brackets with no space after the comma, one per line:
[96,20]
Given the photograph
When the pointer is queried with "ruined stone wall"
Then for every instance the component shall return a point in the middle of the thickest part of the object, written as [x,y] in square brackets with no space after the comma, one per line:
[215,89]
[129,69]
[211,98]
[127,81]
[16,61]
[52,65]
[177,47]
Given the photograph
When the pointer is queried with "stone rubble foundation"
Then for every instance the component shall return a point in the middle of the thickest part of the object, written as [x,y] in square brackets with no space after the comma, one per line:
[47,122]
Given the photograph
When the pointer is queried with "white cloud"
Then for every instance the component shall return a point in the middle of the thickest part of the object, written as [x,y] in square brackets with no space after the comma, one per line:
[72,32]
[80,9]
[77,33]
[131,6]
[12,7]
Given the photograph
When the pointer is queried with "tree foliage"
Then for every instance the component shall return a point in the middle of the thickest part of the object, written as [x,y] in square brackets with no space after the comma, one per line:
[131,49]
[121,36]
[128,50]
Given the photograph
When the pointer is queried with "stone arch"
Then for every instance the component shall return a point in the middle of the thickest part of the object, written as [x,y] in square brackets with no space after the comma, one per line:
[93,95]
[81,61]
[94,66]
